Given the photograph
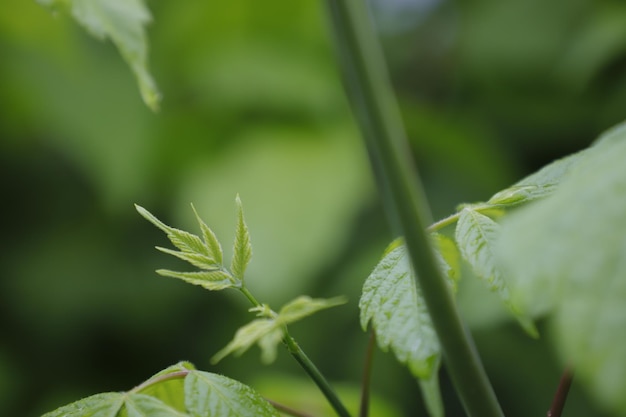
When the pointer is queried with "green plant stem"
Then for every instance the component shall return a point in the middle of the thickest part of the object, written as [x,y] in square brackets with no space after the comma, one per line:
[367,373]
[306,364]
[287,410]
[376,111]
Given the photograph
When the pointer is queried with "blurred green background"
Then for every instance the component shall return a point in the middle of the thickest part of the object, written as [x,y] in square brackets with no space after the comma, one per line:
[253,104]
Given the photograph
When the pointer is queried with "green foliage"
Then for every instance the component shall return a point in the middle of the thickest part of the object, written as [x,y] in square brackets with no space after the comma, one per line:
[269,330]
[242,250]
[193,393]
[477,236]
[398,313]
[205,254]
[574,266]
[216,395]
[123,21]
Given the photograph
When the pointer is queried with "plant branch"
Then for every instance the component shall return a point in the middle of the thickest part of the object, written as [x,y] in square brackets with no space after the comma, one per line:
[306,364]
[159,378]
[367,373]
[558,402]
[310,368]
[287,410]
[374,105]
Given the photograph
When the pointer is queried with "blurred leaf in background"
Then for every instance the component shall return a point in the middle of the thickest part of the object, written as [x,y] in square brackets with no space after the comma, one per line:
[252,104]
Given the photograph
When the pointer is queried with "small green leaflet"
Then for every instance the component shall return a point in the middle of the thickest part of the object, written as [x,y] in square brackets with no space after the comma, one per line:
[567,254]
[166,387]
[395,307]
[122,21]
[477,235]
[268,331]
[242,249]
[205,254]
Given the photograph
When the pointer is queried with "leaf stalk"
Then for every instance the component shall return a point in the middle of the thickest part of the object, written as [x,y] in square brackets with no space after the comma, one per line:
[309,367]
[375,109]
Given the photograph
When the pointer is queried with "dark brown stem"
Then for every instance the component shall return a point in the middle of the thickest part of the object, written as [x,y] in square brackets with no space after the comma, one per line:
[160,378]
[287,410]
[561,393]
[367,373]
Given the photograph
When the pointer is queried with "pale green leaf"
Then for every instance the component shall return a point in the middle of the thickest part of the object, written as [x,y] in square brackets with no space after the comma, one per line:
[269,331]
[304,306]
[210,240]
[198,260]
[142,405]
[185,241]
[251,333]
[397,311]
[477,236]
[99,405]
[242,250]
[568,254]
[538,185]
[208,394]
[211,280]
[122,21]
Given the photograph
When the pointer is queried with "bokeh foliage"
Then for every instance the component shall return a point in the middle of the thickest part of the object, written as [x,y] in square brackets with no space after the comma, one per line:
[252,104]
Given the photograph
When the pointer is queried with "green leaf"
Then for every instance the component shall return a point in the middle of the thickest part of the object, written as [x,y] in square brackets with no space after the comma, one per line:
[394,305]
[187,243]
[391,301]
[211,280]
[477,236]
[169,390]
[538,185]
[567,254]
[208,394]
[269,331]
[99,405]
[142,405]
[210,240]
[304,306]
[122,21]
[196,259]
[242,251]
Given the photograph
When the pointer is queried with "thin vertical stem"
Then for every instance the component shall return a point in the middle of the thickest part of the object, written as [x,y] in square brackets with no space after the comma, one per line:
[373,103]
[367,374]
[309,367]
[558,403]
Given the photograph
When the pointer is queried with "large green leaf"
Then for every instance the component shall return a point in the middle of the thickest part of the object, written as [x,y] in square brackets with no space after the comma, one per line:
[208,394]
[477,236]
[395,307]
[122,21]
[568,254]
[100,405]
